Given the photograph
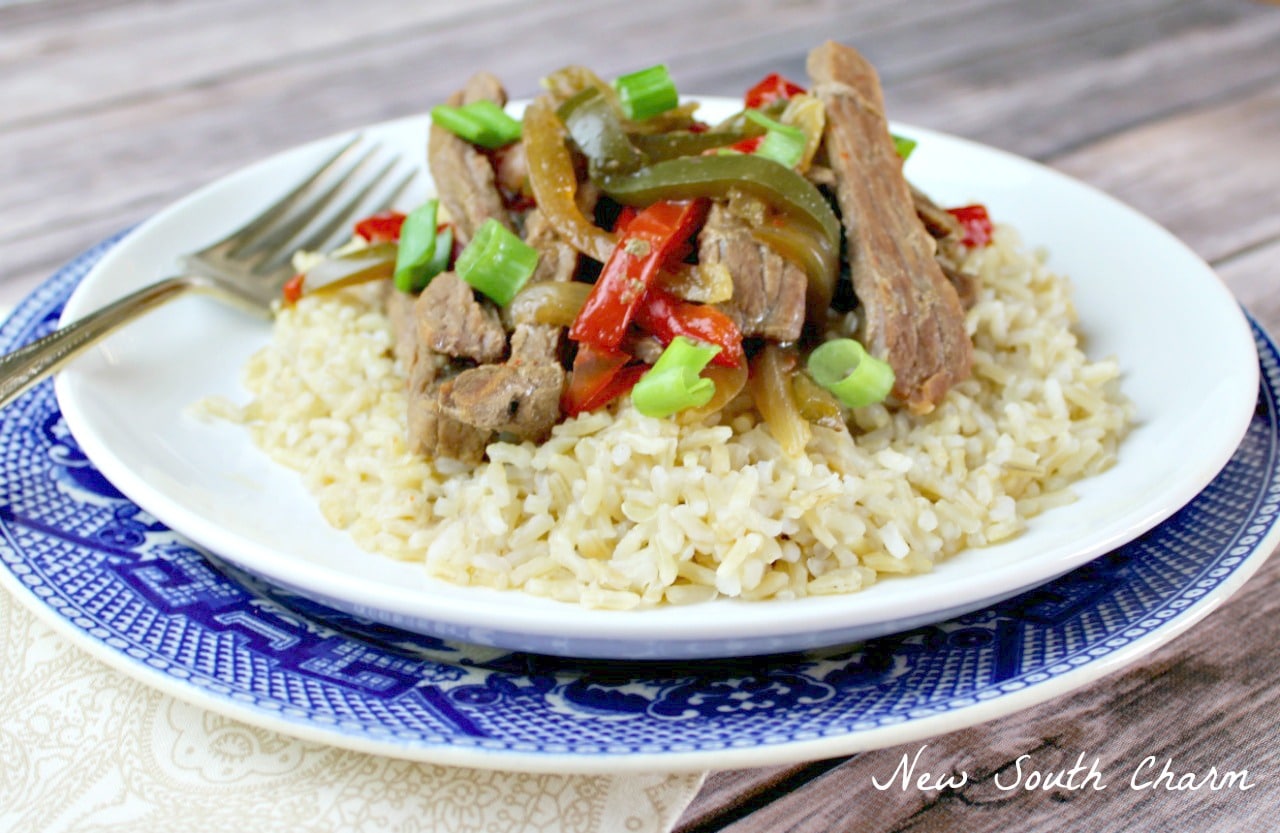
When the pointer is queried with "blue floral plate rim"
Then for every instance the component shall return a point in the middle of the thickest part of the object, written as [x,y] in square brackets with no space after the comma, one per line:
[122,587]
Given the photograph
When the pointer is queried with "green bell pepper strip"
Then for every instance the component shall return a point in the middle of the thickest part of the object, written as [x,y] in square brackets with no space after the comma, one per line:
[903,146]
[596,128]
[660,146]
[689,177]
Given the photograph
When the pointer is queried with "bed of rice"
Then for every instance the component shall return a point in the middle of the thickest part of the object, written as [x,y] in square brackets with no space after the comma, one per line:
[618,510]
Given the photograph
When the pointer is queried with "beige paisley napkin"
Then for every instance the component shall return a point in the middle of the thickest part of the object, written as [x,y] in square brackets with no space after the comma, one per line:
[84,748]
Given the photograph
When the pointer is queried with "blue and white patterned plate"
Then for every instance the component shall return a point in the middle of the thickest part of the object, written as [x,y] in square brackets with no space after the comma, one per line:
[131,592]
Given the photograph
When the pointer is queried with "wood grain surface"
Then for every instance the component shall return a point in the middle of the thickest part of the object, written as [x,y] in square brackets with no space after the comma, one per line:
[111,109]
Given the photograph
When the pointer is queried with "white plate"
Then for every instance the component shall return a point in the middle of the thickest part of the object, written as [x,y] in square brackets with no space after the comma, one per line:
[130,592]
[1189,365]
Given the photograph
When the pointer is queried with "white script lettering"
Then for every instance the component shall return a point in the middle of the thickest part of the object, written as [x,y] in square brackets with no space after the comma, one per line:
[906,770]
[1053,780]
[1212,779]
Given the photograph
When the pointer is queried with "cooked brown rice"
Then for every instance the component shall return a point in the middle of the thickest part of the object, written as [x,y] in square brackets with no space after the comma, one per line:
[618,510]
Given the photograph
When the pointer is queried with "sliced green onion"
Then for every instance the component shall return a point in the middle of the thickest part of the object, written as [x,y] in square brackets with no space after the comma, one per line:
[673,383]
[647,92]
[783,143]
[903,146]
[844,367]
[419,258]
[481,122]
[444,250]
[497,262]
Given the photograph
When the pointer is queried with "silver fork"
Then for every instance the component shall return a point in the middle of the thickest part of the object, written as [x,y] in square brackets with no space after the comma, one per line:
[248,267]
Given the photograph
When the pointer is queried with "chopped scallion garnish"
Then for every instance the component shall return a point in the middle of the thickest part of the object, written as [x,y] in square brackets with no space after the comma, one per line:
[673,383]
[903,146]
[444,250]
[783,143]
[423,253]
[647,92]
[496,262]
[482,123]
[844,367]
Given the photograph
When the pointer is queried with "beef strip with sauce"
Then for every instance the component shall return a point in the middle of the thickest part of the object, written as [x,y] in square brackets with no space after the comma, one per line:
[911,314]
[446,323]
[768,289]
[948,235]
[464,177]
[521,396]
[446,328]
[466,383]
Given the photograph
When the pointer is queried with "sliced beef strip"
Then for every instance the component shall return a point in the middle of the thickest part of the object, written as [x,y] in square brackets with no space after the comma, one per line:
[646,348]
[435,433]
[449,320]
[521,399]
[531,343]
[966,284]
[912,315]
[432,432]
[456,412]
[464,177]
[937,220]
[768,289]
[949,236]
[521,396]
[399,307]
[557,260]
[444,323]
[531,382]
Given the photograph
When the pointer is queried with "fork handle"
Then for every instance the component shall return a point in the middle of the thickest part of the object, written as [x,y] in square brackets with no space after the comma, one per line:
[31,363]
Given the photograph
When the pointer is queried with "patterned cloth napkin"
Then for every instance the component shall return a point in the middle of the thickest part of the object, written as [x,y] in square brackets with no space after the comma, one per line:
[84,748]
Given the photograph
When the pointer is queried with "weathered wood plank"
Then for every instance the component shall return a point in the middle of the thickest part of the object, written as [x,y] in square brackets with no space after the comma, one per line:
[149,150]
[1211,687]
[123,52]
[1209,175]
[923,39]
[731,794]
[1254,276]
[27,12]
[115,50]
[1061,93]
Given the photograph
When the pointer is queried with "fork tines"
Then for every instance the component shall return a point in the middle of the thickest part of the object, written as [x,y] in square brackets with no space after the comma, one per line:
[316,213]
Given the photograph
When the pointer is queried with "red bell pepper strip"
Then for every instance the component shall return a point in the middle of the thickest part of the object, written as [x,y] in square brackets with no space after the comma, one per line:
[649,240]
[383,227]
[666,316]
[292,289]
[773,87]
[625,216]
[748,145]
[978,228]
[598,377]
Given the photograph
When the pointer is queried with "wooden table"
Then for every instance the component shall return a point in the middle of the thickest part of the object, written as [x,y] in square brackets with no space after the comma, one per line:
[110,109]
